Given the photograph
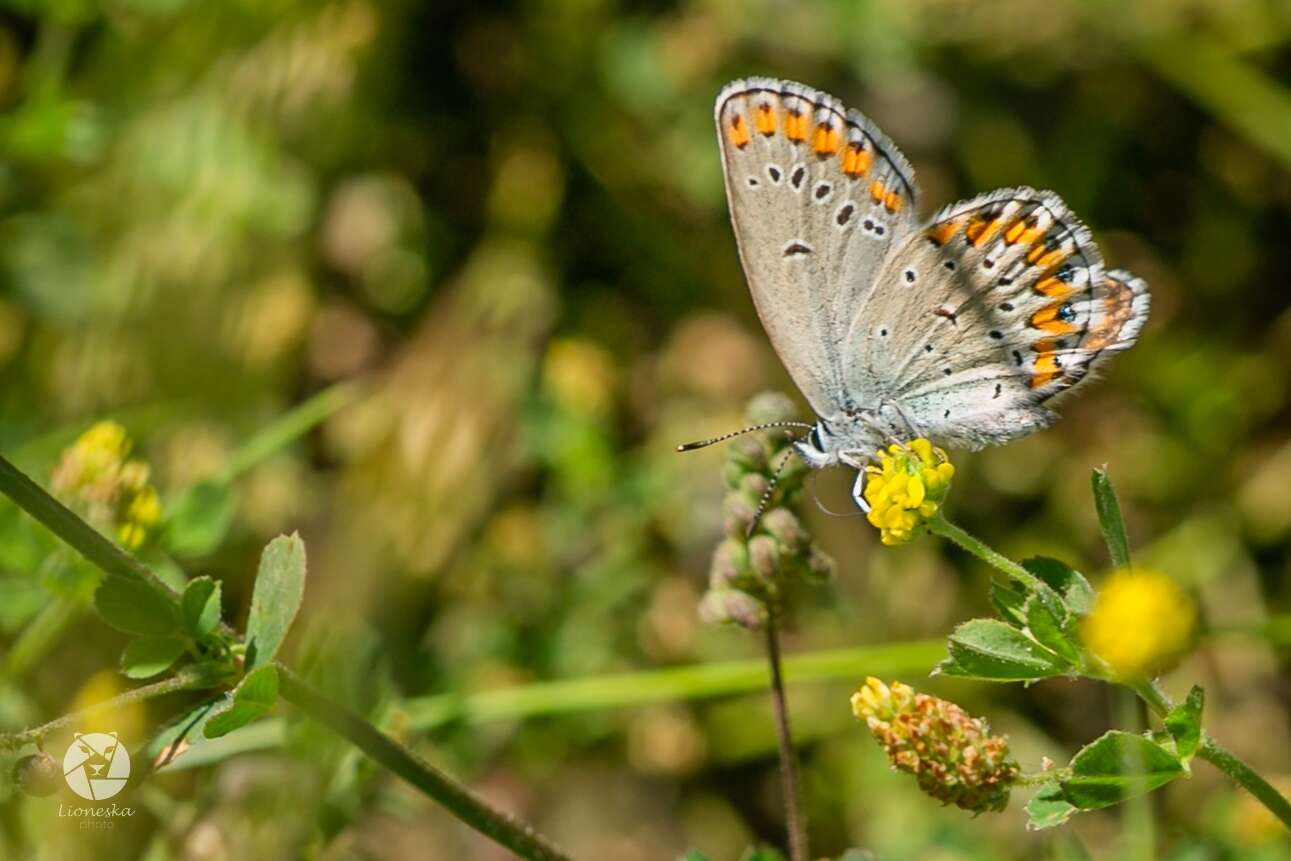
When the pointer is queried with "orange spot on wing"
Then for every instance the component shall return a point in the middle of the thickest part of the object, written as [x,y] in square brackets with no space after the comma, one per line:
[1023,234]
[1047,320]
[1014,231]
[766,119]
[876,191]
[738,133]
[857,160]
[826,139]
[942,233]
[1049,259]
[1054,287]
[1046,364]
[892,201]
[980,230]
[795,125]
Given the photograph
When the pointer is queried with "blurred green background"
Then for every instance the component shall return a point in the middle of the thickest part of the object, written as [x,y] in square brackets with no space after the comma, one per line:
[485,246]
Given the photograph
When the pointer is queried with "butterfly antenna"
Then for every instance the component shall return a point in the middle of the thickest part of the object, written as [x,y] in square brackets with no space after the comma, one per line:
[691,446]
[766,494]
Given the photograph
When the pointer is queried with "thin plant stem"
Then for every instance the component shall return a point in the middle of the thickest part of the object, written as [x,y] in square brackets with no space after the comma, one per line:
[1224,759]
[793,818]
[457,799]
[78,534]
[939,525]
[1139,832]
[667,684]
[287,428]
[187,679]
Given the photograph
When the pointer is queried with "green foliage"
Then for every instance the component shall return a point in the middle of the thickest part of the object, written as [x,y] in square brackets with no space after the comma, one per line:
[199,607]
[992,650]
[135,607]
[146,657]
[1109,518]
[279,588]
[248,702]
[1183,723]
[1117,766]
[1049,807]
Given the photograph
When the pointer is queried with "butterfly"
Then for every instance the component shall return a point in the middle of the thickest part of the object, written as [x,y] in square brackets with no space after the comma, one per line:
[960,329]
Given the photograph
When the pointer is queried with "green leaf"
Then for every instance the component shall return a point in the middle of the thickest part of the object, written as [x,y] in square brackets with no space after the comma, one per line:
[1069,583]
[1109,517]
[148,656]
[135,607]
[280,585]
[1184,723]
[991,650]
[1047,623]
[1117,766]
[250,701]
[1008,603]
[695,855]
[1048,808]
[200,519]
[169,743]
[199,608]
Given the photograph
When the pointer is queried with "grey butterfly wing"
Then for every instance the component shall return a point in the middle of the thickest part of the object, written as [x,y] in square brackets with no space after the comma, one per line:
[992,309]
[818,197]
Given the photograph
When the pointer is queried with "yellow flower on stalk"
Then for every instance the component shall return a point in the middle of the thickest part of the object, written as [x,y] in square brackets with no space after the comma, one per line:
[96,479]
[1141,623]
[906,488]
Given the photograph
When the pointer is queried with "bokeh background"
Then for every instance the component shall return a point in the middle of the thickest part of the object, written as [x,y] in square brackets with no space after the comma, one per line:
[477,254]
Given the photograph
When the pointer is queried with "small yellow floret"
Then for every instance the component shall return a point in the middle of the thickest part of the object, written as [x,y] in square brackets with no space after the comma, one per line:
[1142,623]
[906,488]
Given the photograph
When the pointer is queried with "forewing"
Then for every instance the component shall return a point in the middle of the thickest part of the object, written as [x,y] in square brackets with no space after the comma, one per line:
[818,196]
[996,306]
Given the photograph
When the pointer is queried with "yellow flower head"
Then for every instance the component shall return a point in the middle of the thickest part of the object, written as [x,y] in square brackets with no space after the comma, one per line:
[95,477]
[906,488]
[1142,623]
[952,754]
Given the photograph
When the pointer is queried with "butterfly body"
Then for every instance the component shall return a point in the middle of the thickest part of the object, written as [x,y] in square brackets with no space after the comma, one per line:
[960,329]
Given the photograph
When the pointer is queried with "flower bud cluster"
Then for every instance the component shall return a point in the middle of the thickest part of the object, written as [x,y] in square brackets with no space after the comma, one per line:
[749,568]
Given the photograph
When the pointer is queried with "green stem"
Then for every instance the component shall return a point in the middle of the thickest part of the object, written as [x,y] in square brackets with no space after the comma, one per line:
[1139,838]
[292,425]
[40,635]
[189,678]
[1244,775]
[506,830]
[670,684]
[793,820]
[939,525]
[82,537]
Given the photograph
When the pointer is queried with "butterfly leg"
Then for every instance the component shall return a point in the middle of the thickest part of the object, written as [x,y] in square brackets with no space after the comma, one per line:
[858,491]
[857,460]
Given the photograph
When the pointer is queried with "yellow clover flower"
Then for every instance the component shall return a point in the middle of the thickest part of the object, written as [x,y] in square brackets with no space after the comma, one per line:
[906,488]
[1141,623]
[95,476]
[951,754]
